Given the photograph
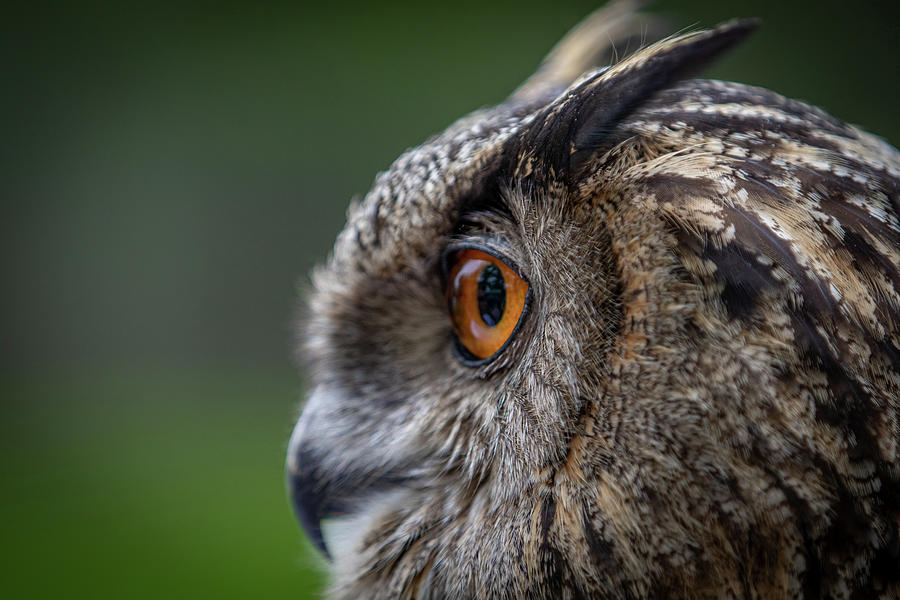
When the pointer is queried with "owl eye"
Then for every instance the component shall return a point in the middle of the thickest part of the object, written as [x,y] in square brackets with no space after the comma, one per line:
[486,300]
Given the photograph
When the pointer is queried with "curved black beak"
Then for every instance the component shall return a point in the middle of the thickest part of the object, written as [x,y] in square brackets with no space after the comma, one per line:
[329,474]
[307,491]
[307,508]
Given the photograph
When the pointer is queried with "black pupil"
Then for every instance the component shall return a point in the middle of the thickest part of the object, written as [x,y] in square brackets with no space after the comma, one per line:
[491,295]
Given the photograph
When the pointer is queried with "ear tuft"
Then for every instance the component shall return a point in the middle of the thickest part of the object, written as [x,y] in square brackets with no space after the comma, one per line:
[612,95]
[585,116]
[604,37]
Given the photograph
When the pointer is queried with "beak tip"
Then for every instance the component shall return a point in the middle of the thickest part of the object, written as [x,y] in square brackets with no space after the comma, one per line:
[307,509]
[307,494]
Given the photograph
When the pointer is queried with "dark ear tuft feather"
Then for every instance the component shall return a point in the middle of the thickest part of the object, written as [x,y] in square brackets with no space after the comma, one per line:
[611,32]
[629,84]
[583,118]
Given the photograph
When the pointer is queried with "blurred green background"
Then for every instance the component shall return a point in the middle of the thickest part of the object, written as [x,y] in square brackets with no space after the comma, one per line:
[169,172]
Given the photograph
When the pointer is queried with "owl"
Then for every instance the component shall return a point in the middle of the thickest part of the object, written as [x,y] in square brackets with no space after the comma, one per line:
[629,334]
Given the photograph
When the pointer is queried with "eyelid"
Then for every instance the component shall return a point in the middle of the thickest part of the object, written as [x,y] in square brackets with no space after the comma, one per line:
[488,245]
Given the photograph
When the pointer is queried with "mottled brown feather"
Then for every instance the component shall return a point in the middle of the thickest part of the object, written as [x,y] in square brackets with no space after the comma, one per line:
[703,399]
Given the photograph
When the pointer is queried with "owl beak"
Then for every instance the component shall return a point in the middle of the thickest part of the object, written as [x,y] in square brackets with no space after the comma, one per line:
[306,487]
[330,478]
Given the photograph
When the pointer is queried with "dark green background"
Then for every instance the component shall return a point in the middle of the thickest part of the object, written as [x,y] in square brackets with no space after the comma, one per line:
[168,175]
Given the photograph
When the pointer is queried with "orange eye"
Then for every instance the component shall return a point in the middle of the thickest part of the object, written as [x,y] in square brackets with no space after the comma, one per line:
[486,300]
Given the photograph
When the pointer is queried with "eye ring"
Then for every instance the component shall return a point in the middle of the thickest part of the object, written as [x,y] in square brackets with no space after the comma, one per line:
[487,301]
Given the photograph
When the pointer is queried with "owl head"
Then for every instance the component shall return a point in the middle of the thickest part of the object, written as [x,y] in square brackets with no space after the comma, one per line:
[627,334]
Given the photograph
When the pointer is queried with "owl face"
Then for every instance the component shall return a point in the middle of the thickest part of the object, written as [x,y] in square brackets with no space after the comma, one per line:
[582,344]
